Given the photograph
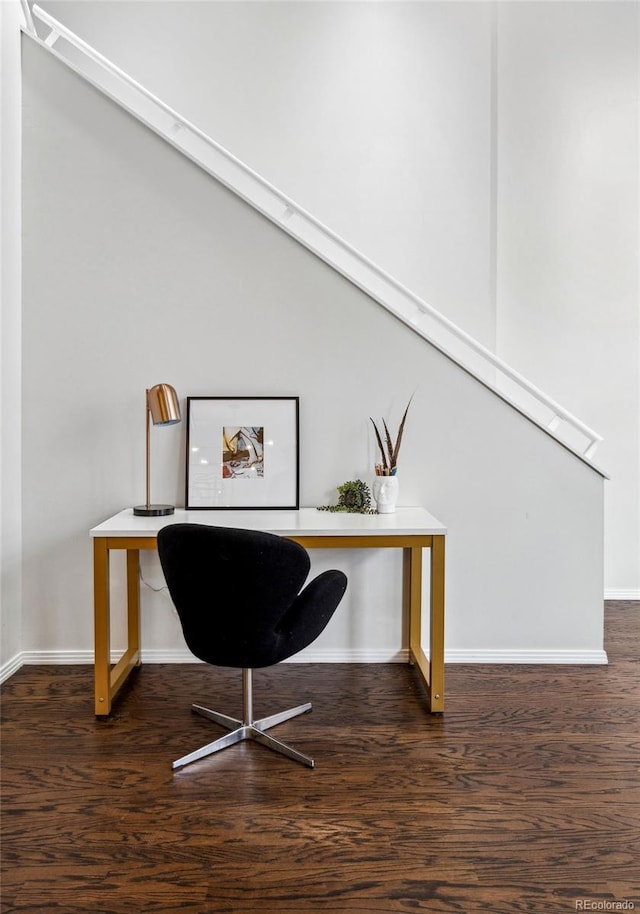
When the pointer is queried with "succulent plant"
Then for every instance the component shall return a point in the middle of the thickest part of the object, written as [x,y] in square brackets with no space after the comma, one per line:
[354,497]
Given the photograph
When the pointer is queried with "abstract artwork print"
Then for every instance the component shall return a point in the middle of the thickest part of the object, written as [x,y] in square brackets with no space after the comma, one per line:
[242,452]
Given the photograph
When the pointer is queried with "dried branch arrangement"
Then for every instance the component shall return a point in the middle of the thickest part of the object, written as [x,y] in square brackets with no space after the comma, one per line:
[389,464]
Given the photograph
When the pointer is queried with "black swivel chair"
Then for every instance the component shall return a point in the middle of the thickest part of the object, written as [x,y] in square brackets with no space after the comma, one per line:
[239,599]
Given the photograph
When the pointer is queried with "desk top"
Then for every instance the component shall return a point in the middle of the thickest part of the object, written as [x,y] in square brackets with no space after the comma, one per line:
[304,522]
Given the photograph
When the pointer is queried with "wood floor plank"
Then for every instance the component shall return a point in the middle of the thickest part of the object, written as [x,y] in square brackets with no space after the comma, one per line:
[523,797]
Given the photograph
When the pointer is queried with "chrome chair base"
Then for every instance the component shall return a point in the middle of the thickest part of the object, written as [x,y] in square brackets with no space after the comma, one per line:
[247,729]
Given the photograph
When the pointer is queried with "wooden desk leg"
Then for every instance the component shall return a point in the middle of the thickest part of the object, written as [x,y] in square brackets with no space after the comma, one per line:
[108,681]
[101,629]
[133,603]
[131,657]
[431,668]
[436,635]
[412,589]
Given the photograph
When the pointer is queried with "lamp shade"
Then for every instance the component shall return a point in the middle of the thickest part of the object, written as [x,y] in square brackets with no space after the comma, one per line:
[163,405]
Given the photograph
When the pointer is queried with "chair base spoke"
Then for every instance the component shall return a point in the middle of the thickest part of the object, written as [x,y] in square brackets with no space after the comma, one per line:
[222,743]
[231,723]
[253,730]
[265,723]
[278,746]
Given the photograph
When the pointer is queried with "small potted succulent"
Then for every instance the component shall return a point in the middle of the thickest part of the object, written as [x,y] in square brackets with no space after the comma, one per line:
[354,497]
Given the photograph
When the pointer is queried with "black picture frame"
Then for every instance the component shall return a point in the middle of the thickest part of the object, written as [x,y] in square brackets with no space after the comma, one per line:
[243,453]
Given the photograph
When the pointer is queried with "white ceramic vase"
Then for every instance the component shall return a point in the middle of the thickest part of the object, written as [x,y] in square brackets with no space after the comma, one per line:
[385,493]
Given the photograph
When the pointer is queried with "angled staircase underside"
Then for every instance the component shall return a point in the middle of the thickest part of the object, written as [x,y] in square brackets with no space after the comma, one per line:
[421,317]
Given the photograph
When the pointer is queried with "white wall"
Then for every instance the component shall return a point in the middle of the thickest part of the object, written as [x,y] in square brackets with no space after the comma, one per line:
[372,116]
[10,404]
[484,154]
[139,268]
[568,312]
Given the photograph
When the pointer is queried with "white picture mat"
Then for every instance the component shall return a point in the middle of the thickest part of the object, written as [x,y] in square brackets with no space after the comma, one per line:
[206,486]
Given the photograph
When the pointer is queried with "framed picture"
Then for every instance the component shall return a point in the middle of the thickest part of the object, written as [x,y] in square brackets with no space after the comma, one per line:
[242,452]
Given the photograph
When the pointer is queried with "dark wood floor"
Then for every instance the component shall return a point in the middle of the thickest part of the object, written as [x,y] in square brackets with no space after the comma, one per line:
[523,796]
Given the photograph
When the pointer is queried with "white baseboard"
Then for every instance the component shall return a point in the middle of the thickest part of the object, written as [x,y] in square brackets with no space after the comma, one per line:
[323,655]
[353,655]
[550,657]
[10,667]
[622,594]
[346,655]
[63,658]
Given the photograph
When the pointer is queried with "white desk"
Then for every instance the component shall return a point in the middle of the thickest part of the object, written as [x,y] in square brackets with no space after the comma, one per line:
[409,529]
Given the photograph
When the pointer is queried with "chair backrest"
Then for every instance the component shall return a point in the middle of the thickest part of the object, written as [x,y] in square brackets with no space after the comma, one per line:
[230,588]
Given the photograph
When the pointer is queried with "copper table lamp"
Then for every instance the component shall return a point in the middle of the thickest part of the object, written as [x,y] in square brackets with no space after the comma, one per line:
[162,408]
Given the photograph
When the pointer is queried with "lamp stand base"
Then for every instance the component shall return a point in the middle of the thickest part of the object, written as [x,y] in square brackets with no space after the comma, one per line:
[153,510]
